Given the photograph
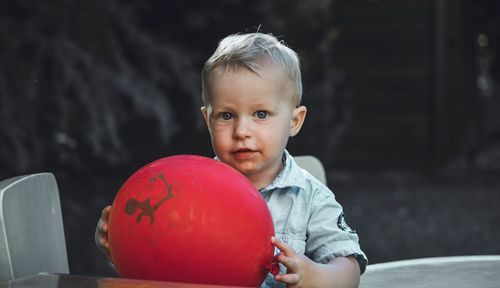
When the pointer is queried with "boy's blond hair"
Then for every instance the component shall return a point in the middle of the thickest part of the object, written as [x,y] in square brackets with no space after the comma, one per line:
[250,51]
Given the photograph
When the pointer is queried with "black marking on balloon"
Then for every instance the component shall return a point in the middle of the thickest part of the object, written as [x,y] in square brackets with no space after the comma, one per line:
[145,206]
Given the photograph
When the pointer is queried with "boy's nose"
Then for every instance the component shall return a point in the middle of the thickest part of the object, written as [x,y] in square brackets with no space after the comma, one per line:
[242,129]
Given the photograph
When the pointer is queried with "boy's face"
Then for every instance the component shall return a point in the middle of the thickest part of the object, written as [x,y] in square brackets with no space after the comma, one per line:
[250,119]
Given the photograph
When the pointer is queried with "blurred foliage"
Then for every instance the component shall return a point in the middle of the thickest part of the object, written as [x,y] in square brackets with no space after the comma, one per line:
[75,74]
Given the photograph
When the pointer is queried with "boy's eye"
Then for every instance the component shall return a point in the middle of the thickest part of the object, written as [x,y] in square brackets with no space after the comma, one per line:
[226,116]
[261,114]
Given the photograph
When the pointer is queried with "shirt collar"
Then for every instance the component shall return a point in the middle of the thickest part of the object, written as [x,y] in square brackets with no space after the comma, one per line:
[290,175]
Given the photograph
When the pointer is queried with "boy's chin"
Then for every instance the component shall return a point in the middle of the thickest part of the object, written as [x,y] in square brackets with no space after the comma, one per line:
[244,168]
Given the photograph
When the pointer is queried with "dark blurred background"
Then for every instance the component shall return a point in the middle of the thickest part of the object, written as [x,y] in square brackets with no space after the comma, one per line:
[403,99]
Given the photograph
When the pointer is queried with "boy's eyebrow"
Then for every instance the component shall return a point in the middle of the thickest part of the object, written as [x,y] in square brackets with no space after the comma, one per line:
[221,107]
[254,106]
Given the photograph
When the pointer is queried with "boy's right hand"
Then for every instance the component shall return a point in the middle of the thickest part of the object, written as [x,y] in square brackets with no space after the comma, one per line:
[101,232]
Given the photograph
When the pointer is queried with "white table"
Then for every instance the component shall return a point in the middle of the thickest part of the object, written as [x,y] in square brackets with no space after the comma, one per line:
[442,272]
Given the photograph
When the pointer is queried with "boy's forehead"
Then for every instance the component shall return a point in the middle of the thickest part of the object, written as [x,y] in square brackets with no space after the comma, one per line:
[270,73]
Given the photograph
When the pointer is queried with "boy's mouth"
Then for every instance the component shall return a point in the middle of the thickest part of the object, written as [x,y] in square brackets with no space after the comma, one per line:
[243,153]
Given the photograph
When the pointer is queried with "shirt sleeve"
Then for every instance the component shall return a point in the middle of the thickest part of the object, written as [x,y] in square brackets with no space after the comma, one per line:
[328,235]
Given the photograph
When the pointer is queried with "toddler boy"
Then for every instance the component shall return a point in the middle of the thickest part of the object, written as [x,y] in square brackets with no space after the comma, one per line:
[251,90]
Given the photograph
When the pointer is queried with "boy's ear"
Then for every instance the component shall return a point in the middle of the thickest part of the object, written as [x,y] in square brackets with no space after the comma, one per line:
[298,117]
[204,111]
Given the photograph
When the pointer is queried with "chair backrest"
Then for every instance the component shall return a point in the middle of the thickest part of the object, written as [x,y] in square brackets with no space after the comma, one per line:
[31,227]
[312,165]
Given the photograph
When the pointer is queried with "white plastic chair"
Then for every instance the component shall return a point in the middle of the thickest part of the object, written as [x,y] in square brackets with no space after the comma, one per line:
[31,227]
[312,165]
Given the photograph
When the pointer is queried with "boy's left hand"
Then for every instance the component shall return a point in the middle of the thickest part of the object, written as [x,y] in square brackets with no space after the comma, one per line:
[298,265]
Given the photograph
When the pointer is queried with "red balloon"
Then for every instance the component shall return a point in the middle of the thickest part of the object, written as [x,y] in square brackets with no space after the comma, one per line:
[191,219]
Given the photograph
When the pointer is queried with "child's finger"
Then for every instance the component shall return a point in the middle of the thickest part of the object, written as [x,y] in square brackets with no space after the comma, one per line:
[103,227]
[104,246]
[104,243]
[289,262]
[287,250]
[105,213]
[289,279]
